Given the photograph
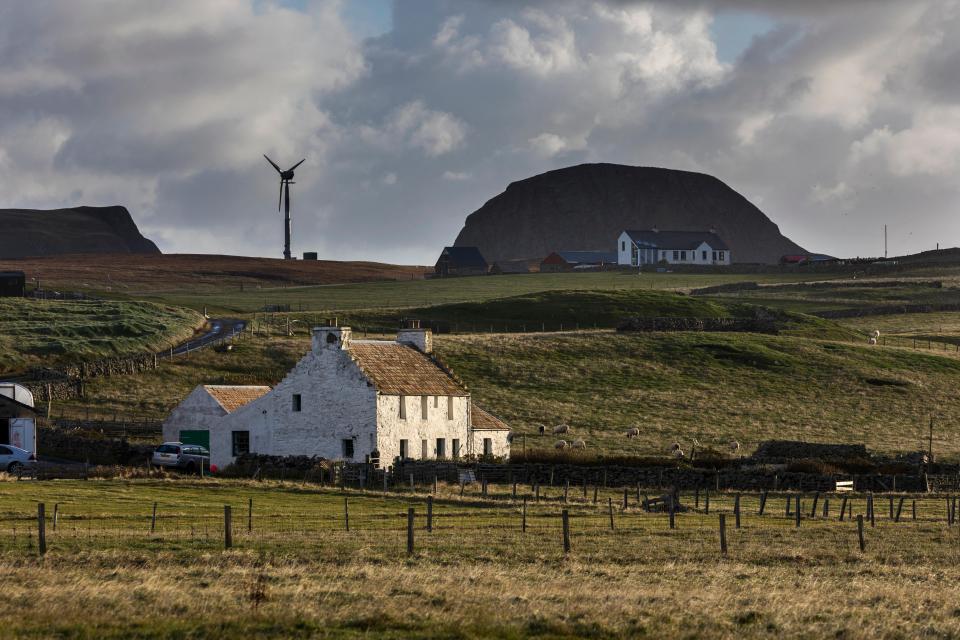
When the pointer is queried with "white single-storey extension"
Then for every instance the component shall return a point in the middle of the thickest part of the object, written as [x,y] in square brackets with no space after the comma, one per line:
[347,399]
[652,246]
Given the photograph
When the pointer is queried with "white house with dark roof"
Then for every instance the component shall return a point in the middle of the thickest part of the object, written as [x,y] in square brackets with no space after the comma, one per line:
[357,400]
[652,246]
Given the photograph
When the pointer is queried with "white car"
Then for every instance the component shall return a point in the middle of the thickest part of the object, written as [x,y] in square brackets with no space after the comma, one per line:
[13,459]
[187,457]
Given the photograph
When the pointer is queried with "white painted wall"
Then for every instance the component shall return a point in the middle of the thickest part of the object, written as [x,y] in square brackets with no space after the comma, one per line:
[198,411]
[625,254]
[391,428]
[498,439]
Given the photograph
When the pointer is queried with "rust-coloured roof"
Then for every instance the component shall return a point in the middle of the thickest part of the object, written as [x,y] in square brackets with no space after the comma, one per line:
[484,421]
[398,369]
[232,397]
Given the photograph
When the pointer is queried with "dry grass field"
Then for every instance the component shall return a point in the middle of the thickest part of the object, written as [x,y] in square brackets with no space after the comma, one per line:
[299,572]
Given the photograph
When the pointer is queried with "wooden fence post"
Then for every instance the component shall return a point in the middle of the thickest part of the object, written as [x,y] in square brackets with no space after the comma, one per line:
[566,530]
[523,525]
[411,484]
[763,502]
[723,534]
[346,514]
[430,514]
[798,510]
[41,528]
[899,509]
[736,510]
[624,498]
[843,507]
[610,510]
[672,508]
[536,492]
[891,507]
[826,506]
[860,533]
[595,490]
[914,509]
[410,531]
[706,502]
[566,490]
[813,509]
[153,519]
[56,513]
[227,527]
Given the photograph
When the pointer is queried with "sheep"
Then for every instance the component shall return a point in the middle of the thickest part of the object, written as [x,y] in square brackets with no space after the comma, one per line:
[578,444]
[561,428]
[734,447]
[633,433]
[675,446]
[678,454]
[541,429]
[872,341]
[876,333]
[561,444]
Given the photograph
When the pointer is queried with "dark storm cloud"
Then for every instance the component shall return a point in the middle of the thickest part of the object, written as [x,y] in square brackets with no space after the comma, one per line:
[841,118]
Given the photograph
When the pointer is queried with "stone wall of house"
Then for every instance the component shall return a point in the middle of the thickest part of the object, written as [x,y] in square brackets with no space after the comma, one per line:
[415,429]
[198,411]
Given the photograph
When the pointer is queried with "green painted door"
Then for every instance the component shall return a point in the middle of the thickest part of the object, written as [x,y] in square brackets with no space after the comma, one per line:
[198,437]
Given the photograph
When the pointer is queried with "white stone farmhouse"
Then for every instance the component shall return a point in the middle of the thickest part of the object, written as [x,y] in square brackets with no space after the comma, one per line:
[652,246]
[347,399]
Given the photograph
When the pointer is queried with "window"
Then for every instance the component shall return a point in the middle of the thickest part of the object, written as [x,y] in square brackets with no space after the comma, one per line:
[683,256]
[404,449]
[721,256]
[424,452]
[704,256]
[241,442]
[663,255]
[403,407]
[423,407]
[347,448]
[455,447]
[487,447]
[436,402]
[623,245]
[297,402]
[676,256]
[714,256]
[449,407]
[441,448]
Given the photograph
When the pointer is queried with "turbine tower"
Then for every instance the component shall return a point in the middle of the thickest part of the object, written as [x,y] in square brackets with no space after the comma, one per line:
[286,179]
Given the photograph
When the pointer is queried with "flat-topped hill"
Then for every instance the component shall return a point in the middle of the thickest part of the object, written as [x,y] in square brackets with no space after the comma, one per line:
[35,232]
[587,206]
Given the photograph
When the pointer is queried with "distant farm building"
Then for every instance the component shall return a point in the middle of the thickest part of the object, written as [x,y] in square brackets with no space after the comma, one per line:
[570,260]
[461,261]
[13,284]
[356,400]
[652,246]
[808,258]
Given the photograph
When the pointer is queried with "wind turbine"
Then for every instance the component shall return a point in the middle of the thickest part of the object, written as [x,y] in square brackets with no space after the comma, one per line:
[286,179]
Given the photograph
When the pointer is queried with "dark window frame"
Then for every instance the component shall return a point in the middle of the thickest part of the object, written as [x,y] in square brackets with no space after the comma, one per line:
[233,442]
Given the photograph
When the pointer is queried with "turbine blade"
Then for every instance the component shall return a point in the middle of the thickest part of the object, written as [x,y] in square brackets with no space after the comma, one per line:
[280,201]
[297,165]
[273,163]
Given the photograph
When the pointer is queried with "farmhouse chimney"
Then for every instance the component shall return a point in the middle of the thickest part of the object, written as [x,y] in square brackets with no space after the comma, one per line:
[411,334]
[330,336]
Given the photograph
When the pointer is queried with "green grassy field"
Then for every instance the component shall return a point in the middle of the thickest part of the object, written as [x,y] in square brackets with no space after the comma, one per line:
[674,386]
[45,332]
[425,293]
[299,573]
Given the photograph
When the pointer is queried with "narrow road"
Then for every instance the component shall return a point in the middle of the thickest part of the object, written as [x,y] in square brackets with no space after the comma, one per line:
[220,329]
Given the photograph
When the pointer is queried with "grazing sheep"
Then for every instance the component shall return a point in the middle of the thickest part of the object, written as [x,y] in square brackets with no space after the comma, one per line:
[561,444]
[734,447]
[678,454]
[561,428]
[675,447]
[578,444]
[872,341]
[633,433]
[876,333]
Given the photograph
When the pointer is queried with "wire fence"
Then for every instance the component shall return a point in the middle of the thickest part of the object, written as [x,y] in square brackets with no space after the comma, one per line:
[325,521]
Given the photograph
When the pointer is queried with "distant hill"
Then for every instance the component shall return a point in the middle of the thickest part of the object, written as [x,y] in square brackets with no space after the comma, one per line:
[35,232]
[587,206]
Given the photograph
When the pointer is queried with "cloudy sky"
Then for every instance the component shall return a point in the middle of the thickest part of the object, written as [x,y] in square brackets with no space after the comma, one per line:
[835,118]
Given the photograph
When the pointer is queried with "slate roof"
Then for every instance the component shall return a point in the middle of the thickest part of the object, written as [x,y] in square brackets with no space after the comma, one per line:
[484,421]
[232,397]
[684,240]
[400,370]
[464,257]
